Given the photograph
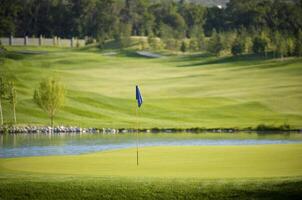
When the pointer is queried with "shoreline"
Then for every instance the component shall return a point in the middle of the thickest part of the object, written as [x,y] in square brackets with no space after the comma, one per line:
[261,129]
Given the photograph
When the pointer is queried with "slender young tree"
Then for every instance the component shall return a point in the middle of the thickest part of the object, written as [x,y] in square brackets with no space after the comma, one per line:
[2,94]
[215,44]
[183,47]
[298,47]
[50,97]
[12,98]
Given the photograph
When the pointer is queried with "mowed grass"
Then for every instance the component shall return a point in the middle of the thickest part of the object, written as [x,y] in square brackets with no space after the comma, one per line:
[171,161]
[181,91]
[208,172]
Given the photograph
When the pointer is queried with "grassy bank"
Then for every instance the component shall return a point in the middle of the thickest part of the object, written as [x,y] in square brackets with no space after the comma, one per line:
[209,172]
[103,188]
[181,91]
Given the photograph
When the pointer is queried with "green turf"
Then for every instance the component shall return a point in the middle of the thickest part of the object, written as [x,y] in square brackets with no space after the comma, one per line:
[103,188]
[208,172]
[176,162]
[179,91]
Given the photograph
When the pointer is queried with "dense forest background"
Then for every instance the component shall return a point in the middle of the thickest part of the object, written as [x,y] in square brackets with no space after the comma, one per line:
[237,26]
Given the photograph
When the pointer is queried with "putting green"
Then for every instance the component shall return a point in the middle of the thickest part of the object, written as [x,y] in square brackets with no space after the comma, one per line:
[252,161]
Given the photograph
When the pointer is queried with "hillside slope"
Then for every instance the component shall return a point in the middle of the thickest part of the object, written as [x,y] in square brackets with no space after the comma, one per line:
[179,91]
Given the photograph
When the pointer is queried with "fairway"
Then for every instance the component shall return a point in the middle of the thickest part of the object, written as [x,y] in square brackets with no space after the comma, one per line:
[217,162]
[181,91]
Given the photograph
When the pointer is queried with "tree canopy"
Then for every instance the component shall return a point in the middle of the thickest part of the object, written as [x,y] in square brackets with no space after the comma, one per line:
[102,18]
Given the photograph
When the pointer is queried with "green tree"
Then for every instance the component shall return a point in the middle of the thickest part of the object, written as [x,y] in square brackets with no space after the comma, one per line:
[238,47]
[215,45]
[12,98]
[8,12]
[202,43]
[260,44]
[172,44]
[183,47]
[2,96]
[290,46]
[193,44]
[279,42]
[154,42]
[50,97]
[298,47]
[123,37]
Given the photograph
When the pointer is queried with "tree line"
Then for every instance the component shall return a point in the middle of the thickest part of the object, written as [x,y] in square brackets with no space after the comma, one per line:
[104,18]
[243,26]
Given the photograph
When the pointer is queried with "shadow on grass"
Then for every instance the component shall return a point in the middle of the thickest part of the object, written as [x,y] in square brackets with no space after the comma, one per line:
[16,56]
[13,188]
[211,60]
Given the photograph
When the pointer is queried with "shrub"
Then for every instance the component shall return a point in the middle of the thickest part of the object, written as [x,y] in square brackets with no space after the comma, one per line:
[183,47]
[259,45]
[215,45]
[238,48]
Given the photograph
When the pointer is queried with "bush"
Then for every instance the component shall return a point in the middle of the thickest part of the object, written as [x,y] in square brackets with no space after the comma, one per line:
[2,49]
[172,44]
[238,48]
[90,40]
[193,45]
[215,45]
[154,43]
[298,47]
[183,47]
[143,44]
[272,128]
[259,45]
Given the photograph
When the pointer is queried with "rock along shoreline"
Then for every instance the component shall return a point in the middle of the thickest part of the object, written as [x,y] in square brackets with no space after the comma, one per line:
[73,129]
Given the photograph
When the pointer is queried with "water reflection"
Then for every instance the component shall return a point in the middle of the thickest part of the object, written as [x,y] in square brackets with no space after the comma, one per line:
[59,144]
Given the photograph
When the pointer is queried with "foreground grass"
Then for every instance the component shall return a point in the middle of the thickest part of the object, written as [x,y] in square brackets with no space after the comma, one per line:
[179,91]
[213,172]
[110,188]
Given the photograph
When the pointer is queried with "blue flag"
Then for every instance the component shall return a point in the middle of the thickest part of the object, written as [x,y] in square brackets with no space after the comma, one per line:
[139,97]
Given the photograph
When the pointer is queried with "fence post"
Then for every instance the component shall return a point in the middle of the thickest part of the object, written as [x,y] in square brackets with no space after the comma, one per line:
[40,40]
[59,41]
[72,42]
[55,41]
[11,40]
[26,41]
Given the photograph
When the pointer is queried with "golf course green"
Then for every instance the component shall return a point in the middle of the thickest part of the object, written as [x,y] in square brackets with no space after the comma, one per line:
[179,91]
[200,172]
[251,161]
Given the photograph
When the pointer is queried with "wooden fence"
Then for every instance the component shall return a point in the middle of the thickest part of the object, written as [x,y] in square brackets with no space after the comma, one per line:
[41,41]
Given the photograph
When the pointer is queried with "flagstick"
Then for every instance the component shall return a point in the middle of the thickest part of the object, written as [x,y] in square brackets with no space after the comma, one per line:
[137,142]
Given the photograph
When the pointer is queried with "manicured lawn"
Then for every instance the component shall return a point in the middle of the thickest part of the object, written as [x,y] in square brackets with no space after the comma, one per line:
[208,172]
[179,91]
[254,161]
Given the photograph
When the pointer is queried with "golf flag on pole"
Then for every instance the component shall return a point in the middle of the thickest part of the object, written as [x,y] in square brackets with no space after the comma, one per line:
[139,97]
[139,100]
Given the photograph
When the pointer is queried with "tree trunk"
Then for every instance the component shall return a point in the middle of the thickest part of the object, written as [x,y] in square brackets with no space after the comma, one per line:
[14,111]
[1,115]
[51,123]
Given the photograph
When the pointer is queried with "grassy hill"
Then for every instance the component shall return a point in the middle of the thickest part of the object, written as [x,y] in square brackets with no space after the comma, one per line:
[179,90]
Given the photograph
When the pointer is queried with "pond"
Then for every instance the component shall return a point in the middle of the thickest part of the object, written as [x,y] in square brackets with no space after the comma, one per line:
[19,145]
